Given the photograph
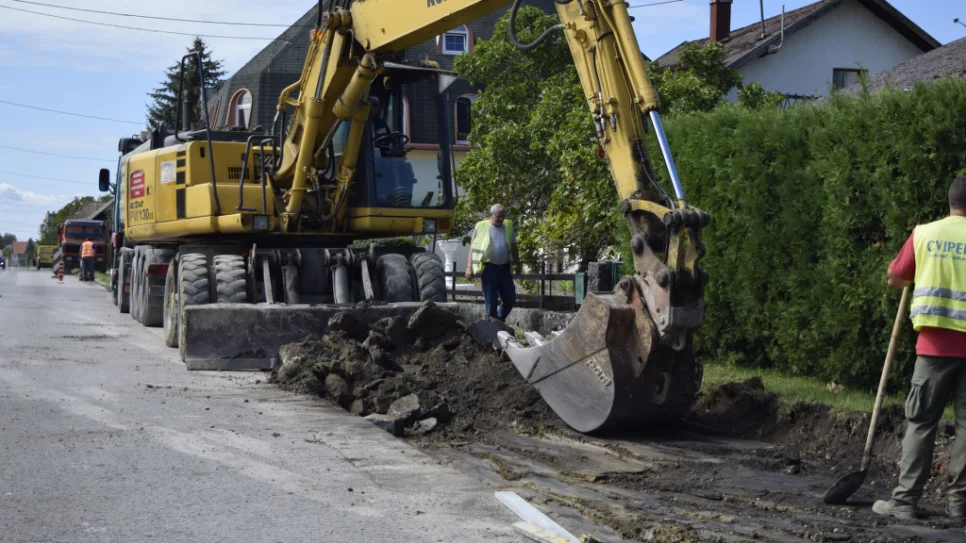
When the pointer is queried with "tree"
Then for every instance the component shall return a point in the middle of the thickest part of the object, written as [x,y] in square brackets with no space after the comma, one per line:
[30,253]
[165,98]
[698,82]
[48,232]
[535,148]
[7,239]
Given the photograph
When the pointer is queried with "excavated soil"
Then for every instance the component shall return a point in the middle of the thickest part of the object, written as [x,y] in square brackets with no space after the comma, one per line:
[743,465]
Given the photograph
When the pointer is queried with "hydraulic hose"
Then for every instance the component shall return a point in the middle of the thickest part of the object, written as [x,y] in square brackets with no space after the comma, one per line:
[540,38]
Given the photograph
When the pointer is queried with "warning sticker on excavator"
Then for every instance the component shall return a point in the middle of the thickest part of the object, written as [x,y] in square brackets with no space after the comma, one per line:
[168,171]
[137,184]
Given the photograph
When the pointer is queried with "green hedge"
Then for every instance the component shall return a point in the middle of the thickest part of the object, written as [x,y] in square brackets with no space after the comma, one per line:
[808,207]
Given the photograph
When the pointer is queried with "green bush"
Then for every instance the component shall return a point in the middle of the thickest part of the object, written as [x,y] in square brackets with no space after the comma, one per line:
[808,207]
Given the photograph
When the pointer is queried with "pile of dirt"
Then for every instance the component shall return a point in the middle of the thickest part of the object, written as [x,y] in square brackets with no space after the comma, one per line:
[414,377]
[815,436]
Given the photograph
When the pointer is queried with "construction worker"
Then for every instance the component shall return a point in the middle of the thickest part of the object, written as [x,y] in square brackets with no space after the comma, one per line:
[492,252]
[934,258]
[87,260]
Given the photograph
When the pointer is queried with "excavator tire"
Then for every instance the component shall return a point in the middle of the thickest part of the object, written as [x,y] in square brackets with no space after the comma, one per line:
[125,256]
[170,315]
[430,277]
[231,280]
[136,286]
[152,315]
[395,278]
[193,284]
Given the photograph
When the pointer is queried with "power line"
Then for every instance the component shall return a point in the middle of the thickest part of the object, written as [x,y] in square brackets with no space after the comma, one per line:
[629,7]
[54,154]
[68,113]
[134,27]
[138,16]
[46,178]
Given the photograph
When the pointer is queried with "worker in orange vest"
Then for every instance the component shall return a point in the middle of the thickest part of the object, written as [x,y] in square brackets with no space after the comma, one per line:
[87,260]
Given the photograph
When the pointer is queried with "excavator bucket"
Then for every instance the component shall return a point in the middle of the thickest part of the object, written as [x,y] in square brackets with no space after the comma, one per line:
[607,369]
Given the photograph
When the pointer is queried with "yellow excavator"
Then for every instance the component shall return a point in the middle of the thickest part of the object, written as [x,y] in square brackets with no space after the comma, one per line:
[239,242]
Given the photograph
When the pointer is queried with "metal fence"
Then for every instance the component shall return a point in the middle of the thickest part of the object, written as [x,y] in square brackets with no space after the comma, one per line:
[544,299]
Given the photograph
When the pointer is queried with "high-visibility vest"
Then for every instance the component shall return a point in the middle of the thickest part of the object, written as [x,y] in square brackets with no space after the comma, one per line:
[481,242]
[87,249]
[939,299]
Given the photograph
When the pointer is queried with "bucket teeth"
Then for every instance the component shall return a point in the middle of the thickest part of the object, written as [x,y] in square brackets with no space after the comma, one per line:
[506,340]
[535,339]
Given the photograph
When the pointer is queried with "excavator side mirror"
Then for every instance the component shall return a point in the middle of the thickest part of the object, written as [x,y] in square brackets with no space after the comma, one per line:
[104,181]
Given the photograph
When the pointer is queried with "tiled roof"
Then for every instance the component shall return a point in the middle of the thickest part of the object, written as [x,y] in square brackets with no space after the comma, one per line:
[746,43]
[948,60]
[19,247]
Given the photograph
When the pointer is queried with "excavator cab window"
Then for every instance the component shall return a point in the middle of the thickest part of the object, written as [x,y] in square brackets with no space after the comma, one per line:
[395,171]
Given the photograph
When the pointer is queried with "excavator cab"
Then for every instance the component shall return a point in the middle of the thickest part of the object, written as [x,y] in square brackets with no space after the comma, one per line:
[394,171]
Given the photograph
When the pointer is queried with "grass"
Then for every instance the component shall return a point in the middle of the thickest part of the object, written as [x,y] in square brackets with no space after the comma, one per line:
[792,389]
[102,278]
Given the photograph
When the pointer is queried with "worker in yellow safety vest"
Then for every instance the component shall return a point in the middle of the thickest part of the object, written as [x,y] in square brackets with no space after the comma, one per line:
[87,260]
[934,258]
[492,253]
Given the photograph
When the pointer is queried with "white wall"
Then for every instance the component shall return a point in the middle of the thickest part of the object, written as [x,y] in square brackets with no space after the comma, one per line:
[849,36]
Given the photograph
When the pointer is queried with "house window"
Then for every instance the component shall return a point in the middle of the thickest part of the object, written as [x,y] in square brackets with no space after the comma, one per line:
[464,118]
[843,77]
[240,109]
[456,41]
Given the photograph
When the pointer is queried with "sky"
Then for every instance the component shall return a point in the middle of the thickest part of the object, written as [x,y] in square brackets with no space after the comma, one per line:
[107,71]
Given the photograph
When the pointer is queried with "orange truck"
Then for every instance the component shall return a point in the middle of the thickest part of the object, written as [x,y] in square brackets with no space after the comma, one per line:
[70,236]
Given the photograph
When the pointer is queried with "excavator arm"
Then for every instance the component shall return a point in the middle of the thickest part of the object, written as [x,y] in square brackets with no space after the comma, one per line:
[627,355]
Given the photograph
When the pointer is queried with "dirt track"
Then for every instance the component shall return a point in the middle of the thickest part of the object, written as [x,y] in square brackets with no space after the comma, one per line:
[743,467]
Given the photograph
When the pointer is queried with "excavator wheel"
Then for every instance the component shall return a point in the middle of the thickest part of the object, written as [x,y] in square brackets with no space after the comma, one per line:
[124,306]
[136,274]
[395,278]
[231,286]
[169,318]
[193,284]
[152,314]
[430,277]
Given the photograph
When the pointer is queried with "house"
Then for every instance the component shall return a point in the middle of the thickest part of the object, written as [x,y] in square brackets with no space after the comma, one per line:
[94,211]
[948,60]
[17,251]
[249,97]
[822,46]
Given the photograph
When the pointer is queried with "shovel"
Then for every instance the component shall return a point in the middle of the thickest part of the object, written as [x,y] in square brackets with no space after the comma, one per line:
[850,483]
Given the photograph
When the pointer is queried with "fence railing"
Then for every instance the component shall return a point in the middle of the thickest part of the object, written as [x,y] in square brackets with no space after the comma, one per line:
[544,299]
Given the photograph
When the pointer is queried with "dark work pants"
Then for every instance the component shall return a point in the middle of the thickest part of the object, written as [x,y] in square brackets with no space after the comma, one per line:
[498,285]
[87,268]
[935,382]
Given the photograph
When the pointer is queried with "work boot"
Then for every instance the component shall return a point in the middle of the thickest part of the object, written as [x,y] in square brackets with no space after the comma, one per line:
[896,509]
[956,512]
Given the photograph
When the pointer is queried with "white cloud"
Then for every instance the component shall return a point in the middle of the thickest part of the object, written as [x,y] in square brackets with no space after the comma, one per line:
[10,194]
[36,40]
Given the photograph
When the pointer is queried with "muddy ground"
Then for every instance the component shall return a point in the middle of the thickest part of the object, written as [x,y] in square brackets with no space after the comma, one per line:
[742,466]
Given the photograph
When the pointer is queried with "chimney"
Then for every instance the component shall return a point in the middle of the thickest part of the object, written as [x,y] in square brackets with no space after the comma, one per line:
[720,19]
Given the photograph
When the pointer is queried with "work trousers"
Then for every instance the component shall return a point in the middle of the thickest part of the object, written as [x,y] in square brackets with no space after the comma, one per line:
[87,268]
[935,381]
[498,286]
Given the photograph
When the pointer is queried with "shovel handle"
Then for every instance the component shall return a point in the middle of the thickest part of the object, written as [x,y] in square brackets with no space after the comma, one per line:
[886,369]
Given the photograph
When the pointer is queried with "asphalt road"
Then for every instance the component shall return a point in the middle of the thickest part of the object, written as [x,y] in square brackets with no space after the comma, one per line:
[104,436]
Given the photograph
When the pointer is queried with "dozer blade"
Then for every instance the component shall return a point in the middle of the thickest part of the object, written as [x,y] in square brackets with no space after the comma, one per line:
[607,370]
[235,337]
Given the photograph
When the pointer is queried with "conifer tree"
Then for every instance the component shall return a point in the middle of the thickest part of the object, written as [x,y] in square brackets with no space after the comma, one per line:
[164,108]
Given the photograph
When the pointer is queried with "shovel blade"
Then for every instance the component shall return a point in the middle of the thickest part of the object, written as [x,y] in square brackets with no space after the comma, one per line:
[843,489]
